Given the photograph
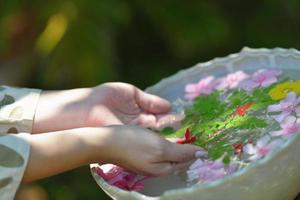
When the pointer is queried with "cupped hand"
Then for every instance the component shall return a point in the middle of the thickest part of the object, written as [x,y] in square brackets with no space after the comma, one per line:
[121,103]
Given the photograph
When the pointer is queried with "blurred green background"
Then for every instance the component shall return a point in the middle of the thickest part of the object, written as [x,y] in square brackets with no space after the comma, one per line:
[62,44]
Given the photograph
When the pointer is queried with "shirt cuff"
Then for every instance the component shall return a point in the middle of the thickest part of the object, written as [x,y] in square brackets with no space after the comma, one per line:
[17,109]
[15,150]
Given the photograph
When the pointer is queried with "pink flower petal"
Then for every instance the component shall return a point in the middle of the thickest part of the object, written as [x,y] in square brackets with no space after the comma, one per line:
[122,184]
[241,75]
[273,72]
[138,186]
[231,81]
[130,178]
[100,172]
[262,78]
[231,168]
[221,84]
[191,96]
[206,81]
[191,88]
[115,179]
[269,81]
[204,86]
[109,171]
[250,85]
[213,175]
[218,164]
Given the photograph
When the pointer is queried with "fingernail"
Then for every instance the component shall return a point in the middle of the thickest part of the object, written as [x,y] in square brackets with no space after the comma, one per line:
[200,154]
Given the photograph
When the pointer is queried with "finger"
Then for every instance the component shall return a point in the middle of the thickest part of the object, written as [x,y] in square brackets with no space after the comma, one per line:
[158,122]
[181,165]
[145,120]
[169,120]
[163,168]
[160,169]
[152,103]
[180,153]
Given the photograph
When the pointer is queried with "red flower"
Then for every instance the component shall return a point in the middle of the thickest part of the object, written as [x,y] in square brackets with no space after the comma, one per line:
[188,138]
[238,148]
[241,110]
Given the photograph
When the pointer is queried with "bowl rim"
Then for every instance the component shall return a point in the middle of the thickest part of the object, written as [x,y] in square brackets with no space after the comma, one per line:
[246,51]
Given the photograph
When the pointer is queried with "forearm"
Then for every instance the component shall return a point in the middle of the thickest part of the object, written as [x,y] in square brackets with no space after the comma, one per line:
[60,110]
[56,152]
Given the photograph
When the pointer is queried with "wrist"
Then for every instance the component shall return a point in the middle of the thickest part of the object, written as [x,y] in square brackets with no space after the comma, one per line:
[98,144]
[60,110]
[44,149]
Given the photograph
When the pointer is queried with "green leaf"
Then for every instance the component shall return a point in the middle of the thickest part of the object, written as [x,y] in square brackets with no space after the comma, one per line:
[213,122]
[247,122]
[239,97]
[261,95]
[167,131]
[209,107]
[219,150]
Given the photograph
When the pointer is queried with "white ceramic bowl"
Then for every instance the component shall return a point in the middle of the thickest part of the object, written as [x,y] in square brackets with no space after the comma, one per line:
[276,177]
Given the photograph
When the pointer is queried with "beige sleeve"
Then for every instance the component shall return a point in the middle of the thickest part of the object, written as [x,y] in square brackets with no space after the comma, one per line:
[17,109]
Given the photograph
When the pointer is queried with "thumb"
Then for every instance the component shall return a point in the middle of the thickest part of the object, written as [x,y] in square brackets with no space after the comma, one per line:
[152,103]
[181,153]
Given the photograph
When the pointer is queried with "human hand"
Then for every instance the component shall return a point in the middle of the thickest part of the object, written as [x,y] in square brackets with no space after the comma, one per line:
[121,103]
[136,149]
[106,104]
[140,150]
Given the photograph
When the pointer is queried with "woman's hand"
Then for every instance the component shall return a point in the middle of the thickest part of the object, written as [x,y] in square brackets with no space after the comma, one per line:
[121,103]
[143,151]
[131,147]
[106,104]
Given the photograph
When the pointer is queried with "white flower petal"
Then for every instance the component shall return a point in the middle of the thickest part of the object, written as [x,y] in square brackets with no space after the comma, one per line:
[291,98]
[298,121]
[289,120]
[249,149]
[255,157]
[274,108]
[297,110]
[281,117]
[198,163]
[277,133]
[263,141]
